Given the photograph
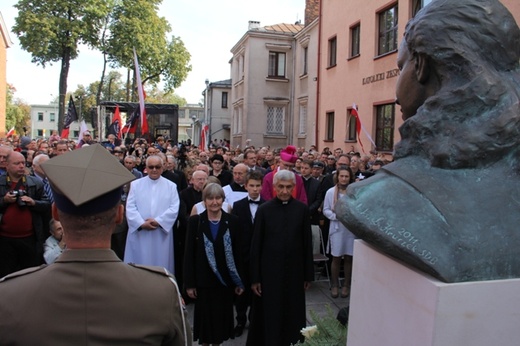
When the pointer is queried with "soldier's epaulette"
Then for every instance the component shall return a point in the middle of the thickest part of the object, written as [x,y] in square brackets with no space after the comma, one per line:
[22,272]
[154,269]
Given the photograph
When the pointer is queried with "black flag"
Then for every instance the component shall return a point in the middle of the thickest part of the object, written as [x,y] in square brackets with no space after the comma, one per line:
[72,115]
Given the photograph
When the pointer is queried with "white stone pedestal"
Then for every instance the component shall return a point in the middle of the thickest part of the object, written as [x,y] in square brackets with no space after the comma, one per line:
[393,304]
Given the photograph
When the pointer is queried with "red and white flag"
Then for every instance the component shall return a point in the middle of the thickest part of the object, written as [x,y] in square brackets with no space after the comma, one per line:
[359,127]
[11,132]
[204,133]
[83,128]
[140,92]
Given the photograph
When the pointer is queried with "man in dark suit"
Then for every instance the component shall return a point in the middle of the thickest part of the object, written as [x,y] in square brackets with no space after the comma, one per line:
[313,190]
[245,209]
[250,160]
[96,298]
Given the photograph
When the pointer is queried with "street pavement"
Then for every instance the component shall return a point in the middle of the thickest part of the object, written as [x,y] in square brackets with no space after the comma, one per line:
[317,298]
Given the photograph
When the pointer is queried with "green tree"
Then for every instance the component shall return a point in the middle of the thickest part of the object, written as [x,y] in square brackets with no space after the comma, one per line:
[18,113]
[116,92]
[113,89]
[136,24]
[155,95]
[52,30]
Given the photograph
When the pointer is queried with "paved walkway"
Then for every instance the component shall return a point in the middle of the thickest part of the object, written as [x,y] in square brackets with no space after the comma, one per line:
[317,299]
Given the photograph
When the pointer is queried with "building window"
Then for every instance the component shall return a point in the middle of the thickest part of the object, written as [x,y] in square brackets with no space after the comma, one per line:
[276,64]
[52,116]
[76,133]
[224,99]
[39,133]
[303,120]
[385,127]
[388,30]
[351,127]
[237,120]
[40,116]
[329,134]
[305,60]
[418,5]
[355,32]
[332,51]
[275,120]
[241,67]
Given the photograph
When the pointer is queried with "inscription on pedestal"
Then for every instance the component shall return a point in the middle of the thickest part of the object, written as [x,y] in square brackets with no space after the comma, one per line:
[401,237]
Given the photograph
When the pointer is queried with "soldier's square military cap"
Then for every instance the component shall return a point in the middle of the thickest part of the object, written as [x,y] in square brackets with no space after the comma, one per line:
[86,181]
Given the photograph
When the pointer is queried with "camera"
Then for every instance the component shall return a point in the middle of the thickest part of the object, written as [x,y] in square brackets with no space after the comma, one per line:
[18,194]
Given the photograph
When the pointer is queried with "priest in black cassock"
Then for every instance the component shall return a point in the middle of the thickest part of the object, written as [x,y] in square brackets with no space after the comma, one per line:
[281,266]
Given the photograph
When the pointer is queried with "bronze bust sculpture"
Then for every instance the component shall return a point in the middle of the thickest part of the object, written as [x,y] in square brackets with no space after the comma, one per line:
[450,203]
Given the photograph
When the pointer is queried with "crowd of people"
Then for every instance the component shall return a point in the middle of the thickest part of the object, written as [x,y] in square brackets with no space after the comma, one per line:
[226,222]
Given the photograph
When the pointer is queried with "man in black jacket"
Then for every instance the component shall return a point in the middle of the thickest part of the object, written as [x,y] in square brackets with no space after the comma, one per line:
[246,209]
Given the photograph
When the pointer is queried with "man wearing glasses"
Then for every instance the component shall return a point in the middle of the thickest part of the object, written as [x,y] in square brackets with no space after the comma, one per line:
[151,210]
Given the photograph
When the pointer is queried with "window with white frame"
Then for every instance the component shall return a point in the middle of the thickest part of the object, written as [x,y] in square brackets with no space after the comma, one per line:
[302,128]
[388,30]
[276,64]
[40,116]
[52,116]
[241,67]
[237,119]
[305,60]
[275,124]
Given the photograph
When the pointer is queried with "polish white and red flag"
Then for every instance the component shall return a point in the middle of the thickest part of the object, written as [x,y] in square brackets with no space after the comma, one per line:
[360,127]
[204,133]
[11,132]
[141,94]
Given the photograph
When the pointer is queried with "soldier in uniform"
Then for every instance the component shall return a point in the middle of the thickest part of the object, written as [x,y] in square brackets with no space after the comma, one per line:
[89,296]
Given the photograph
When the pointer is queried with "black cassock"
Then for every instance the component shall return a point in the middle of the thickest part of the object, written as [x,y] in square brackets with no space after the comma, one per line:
[281,260]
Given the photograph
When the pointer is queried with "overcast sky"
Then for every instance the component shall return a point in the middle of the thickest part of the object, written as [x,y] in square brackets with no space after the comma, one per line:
[208,28]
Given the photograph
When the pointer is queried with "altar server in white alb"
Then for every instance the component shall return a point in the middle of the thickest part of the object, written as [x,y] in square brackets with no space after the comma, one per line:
[151,210]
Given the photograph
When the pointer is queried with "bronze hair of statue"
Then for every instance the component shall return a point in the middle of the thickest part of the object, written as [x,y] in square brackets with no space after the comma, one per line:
[450,203]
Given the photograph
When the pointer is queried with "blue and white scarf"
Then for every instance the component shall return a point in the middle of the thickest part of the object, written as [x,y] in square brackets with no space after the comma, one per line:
[230,261]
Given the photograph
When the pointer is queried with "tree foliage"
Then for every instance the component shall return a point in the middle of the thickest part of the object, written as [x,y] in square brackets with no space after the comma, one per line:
[136,24]
[18,113]
[116,92]
[53,30]
[156,95]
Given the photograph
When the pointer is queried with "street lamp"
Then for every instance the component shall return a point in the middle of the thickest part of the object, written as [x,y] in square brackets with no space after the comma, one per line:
[194,119]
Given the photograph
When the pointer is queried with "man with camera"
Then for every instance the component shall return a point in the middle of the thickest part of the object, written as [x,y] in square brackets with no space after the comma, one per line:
[23,203]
